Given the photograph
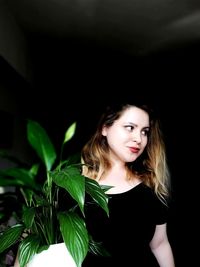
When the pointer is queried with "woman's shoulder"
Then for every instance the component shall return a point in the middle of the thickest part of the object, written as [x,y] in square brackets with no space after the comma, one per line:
[140,192]
[143,193]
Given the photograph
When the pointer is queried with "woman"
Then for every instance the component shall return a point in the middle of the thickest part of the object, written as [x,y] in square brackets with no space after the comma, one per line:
[127,153]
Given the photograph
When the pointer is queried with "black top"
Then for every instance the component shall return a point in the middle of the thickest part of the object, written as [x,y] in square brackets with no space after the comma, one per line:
[126,233]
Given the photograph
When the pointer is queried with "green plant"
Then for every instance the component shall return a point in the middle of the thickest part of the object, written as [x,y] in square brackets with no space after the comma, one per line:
[43,219]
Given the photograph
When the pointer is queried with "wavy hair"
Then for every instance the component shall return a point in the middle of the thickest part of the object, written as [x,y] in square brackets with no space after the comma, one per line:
[151,167]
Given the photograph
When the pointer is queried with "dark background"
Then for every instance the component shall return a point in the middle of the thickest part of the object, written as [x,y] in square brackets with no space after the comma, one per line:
[76,74]
[169,81]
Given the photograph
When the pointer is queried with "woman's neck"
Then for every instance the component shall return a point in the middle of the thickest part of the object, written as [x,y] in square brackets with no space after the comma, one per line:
[117,178]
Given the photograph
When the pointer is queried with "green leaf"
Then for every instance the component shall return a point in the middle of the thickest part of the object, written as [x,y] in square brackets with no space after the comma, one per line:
[27,248]
[10,236]
[34,169]
[40,141]
[17,177]
[105,187]
[70,132]
[28,216]
[75,236]
[41,215]
[97,193]
[73,182]
[97,248]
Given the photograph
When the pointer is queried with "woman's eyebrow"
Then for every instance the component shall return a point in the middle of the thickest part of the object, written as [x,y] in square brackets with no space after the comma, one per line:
[136,125]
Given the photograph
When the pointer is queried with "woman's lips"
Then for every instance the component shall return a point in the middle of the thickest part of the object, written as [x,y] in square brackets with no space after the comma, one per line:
[134,149]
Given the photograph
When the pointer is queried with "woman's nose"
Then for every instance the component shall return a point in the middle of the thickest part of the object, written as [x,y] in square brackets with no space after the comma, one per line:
[137,137]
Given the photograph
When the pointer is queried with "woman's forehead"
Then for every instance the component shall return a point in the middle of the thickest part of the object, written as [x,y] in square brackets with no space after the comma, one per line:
[135,114]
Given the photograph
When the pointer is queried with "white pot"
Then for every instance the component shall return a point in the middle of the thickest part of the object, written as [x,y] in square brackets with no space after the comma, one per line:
[56,255]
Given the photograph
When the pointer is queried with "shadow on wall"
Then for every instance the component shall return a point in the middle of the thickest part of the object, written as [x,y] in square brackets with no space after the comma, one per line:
[7,130]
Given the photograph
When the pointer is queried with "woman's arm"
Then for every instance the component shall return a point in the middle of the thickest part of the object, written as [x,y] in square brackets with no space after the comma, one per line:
[16,263]
[161,248]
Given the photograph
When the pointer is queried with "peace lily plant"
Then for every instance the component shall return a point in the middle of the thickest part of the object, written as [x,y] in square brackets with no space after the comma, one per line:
[43,220]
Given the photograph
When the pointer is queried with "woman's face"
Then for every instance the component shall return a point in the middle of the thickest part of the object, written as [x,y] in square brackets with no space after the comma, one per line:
[128,135]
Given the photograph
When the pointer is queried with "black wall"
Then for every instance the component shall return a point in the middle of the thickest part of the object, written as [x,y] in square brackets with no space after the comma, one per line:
[74,81]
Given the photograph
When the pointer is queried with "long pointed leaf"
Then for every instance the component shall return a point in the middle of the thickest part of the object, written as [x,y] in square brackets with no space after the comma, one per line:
[10,236]
[97,193]
[18,177]
[75,236]
[27,248]
[73,182]
[40,141]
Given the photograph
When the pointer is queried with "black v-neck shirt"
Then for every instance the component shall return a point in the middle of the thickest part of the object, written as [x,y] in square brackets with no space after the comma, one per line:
[126,233]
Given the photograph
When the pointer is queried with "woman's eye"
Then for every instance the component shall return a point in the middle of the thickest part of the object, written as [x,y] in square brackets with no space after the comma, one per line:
[145,132]
[129,127]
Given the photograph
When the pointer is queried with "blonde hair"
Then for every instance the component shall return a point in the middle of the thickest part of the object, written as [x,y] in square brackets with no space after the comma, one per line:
[151,167]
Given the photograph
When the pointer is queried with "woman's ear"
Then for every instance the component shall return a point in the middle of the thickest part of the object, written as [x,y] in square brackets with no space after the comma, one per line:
[104,131]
